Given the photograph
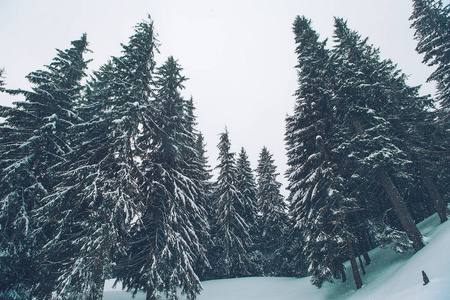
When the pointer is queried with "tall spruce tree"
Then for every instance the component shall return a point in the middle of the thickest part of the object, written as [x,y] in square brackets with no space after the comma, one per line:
[34,144]
[165,240]
[371,94]
[231,233]
[245,182]
[318,202]
[2,82]
[272,214]
[431,20]
[93,206]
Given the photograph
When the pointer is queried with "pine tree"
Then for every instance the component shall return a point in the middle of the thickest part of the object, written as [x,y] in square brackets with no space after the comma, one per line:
[372,95]
[2,82]
[35,142]
[272,214]
[232,240]
[165,241]
[93,206]
[431,20]
[245,183]
[318,204]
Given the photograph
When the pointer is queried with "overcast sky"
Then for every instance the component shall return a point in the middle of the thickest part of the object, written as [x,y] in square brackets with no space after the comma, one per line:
[238,54]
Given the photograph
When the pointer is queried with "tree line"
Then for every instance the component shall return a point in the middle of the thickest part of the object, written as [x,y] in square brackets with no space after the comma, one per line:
[107,176]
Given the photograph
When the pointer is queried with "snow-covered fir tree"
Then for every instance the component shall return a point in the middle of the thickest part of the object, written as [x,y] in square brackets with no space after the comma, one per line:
[165,239]
[34,144]
[272,214]
[383,88]
[431,21]
[370,95]
[95,203]
[318,202]
[245,182]
[2,81]
[229,255]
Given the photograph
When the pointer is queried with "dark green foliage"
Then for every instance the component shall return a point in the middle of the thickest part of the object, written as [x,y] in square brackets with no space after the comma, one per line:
[318,205]
[272,216]
[232,240]
[34,144]
[245,182]
[431,20]
[164,246]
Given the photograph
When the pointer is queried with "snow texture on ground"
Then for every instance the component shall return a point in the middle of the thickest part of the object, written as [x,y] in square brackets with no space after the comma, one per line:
[390,276]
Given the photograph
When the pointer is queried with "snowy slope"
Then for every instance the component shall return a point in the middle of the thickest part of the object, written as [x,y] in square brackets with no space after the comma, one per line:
[389,276]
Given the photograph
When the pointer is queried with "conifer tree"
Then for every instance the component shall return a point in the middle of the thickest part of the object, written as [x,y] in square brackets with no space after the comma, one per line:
[94,205]
[165,241]
[318,202]
[247,186]
[272,214]
[34,144]
[232,240]
[371,95]
[431,20]
[2,82]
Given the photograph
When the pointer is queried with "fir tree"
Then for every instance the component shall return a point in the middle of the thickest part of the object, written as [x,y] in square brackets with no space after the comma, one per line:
[245,182]
[232,240]
[318,204]
[272,214]
[165,241]
[2,82]
[431,20]
[35,143]
[371,95]
[94,205]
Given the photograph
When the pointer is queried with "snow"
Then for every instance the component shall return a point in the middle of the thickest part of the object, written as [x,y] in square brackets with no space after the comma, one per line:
[390,276]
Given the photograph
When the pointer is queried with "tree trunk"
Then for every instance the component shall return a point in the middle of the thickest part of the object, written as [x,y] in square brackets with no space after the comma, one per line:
[98,284]
[340,271]
[149,295]
[400,209]
[362,266]
[436,197]
[366,258]
[354,264]
[399,206]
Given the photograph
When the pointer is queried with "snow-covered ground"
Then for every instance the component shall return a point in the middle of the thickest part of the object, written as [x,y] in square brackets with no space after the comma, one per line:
[389,276]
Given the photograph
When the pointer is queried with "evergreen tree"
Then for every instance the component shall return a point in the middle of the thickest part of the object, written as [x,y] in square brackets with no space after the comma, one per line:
[246,184]
[272,214]
[34,145]
[232,240]
[318,204]
[165,241]
[2,82]
[371,95]
[431,20]
[93,206]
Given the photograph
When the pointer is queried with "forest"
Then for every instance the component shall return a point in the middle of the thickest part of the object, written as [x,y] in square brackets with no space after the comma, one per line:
[105,175]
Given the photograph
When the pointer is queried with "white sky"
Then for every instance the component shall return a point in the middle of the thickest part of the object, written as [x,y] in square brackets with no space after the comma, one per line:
[238,54]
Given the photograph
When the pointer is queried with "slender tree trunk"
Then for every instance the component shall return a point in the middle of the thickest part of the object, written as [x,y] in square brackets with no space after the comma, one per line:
[344,277]
[436,197]
[149,295]
[400,209]
[99,284]
[354,264]
[398,204]
[367,258]
[362,266]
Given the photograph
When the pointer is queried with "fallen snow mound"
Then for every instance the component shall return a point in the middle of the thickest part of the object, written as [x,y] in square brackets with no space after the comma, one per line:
[390,276]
